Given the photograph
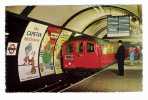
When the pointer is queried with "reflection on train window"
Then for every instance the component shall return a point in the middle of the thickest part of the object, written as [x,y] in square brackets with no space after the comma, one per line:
[69,48]
[80,47]
[90,47]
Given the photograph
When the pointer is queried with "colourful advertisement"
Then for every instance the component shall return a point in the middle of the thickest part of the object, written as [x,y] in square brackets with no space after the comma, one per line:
[28,67]
[54,34]
[46,57]
[64,36]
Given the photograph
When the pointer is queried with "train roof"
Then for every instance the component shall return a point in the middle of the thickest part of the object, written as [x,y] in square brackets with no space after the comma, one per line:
[89,38]
[82,38]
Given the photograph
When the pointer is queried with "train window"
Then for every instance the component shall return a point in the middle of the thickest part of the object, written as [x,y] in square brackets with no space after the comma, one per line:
[90,47]
[69,48]
[80,47]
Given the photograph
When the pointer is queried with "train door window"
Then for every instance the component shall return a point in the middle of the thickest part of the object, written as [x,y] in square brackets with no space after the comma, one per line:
[80,47]
[90,47]
[69,48]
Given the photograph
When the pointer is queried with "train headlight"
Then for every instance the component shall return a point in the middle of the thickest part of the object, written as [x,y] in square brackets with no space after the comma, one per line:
[69,63]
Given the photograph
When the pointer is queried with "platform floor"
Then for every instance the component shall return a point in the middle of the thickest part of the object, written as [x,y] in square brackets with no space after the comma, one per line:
[108,81]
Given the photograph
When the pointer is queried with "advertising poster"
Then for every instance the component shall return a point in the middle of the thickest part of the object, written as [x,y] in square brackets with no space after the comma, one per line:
[46,56]
[28,67]
[64,36]
[11,49]
[54,34]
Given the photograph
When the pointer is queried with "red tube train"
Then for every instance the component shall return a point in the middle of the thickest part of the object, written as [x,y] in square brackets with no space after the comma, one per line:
[87,53]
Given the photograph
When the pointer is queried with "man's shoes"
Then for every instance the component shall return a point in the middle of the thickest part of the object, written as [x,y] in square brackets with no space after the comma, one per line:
[120,74]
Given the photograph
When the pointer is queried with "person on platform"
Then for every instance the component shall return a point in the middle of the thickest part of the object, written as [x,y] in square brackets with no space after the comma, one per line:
[120,56]
[132,56]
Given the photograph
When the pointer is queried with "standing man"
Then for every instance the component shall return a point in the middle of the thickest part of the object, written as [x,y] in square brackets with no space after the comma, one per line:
[120,56]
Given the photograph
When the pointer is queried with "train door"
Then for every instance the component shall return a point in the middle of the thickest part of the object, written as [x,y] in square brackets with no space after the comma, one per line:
[99,54]
[80,56]
[91,55]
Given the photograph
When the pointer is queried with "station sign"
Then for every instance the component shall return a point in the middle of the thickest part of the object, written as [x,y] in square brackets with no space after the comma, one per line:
[11,48]
[118,26]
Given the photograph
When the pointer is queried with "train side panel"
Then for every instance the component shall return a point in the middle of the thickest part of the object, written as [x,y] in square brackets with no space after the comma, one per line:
[85,54]
[90,58]
[108,54]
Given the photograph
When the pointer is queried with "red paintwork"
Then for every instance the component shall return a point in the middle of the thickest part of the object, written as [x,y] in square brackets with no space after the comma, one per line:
[85,60]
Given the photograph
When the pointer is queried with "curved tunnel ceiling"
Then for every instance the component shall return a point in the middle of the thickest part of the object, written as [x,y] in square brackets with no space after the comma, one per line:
[98,25]
[80,21]
[59,14]
[98,28]
[15,9]
[79,18]
[134,28]
[54,14]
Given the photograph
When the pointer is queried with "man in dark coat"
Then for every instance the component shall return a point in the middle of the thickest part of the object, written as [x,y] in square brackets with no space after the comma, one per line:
[120,56]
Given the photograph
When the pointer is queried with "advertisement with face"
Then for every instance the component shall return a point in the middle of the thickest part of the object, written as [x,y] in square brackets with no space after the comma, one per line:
[54,33]
[28,55]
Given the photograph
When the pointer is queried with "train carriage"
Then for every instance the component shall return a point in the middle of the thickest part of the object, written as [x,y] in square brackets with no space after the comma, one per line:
[87,53]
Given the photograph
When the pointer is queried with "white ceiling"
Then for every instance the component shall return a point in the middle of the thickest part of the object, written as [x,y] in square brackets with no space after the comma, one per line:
[15,9]
[59,14]
[56,15]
